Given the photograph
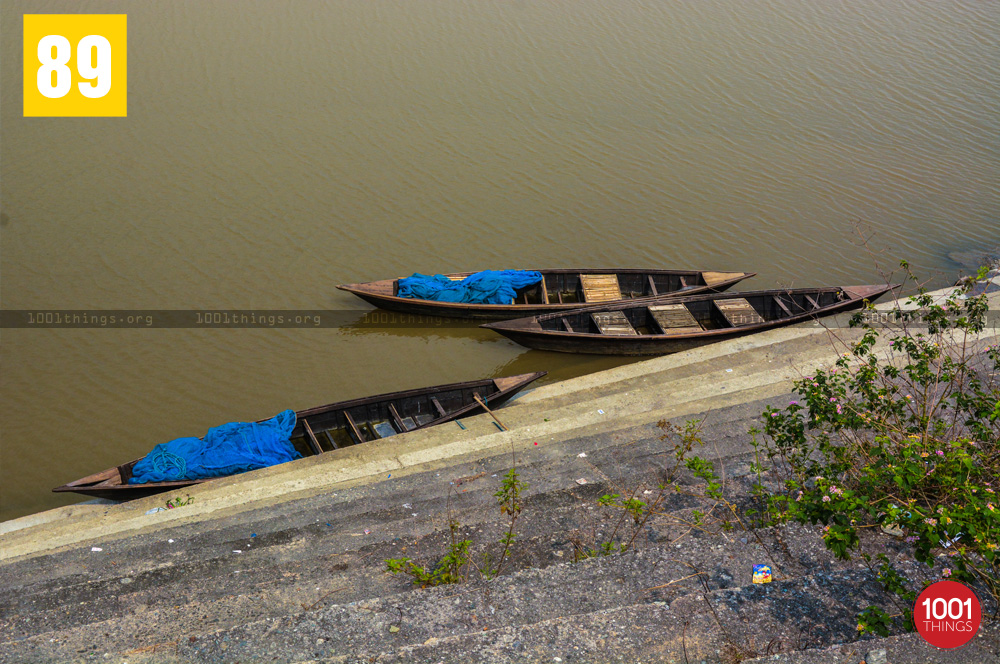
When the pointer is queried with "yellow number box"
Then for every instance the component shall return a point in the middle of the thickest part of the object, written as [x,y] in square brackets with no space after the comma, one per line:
[75,65]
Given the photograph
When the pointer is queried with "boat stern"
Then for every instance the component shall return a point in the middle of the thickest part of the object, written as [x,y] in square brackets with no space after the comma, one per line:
[385,287]
[518,382]
[870,292]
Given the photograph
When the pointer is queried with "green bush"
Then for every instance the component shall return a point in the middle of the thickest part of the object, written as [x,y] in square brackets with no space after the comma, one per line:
[903,435]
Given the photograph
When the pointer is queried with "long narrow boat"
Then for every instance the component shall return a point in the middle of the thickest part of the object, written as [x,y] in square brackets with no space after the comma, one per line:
[325,428]
[657,327]
[559,290]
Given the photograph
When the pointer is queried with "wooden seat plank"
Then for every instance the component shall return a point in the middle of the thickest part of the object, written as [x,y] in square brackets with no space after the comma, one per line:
[353,428]
[674,318]
[397,419]
[600,287]
[313,443]
[440,409]
[566,325]
[545,291]
[652,285]
[738,312]
[781,303]
[613,323]
[811,301]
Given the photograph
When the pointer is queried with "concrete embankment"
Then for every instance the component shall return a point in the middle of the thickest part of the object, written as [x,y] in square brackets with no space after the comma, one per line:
[288,563]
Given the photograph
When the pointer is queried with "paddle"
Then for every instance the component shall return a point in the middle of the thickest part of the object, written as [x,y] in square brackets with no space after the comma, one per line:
[486,408]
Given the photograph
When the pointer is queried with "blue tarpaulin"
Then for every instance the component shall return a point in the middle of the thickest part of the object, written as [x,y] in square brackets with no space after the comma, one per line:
[225,450]
[486,287]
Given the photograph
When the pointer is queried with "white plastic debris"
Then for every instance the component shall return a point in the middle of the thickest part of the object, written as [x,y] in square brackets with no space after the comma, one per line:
[237,551]
[96,548]
[155,510]
[582,455]
[729,371]
[582,480]
[600,412]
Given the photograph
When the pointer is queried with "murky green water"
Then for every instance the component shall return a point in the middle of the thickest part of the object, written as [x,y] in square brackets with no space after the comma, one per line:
[275,149]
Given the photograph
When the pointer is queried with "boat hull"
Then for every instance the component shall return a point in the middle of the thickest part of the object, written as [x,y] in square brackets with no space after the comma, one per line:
[603,346]
[531,333]
[382,293]
[418,407]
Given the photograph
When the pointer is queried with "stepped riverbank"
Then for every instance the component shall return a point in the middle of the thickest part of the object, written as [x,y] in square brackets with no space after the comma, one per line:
[288,563]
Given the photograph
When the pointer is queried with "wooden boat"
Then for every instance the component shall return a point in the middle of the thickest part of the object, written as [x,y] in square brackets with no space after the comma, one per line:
[559,290]
[325,428]
[656,327]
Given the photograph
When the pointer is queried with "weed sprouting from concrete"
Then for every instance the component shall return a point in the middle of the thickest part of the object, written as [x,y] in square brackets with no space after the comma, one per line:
[509,500]
[448,570]
[452,567]
[179,502]
[633,510]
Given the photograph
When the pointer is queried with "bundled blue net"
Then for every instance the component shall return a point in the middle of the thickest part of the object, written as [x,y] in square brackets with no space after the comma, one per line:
[225,450]
[486,287]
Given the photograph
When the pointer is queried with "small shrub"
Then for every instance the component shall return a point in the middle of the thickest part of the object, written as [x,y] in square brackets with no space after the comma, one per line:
[635,512]
[450,569]
[509,500]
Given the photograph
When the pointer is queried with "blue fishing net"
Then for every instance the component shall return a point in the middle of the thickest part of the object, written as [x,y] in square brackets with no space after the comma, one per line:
[486,287]
[225,450]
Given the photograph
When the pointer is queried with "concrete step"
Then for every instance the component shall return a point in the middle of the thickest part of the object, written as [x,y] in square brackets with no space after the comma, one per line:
[664,556]
[564,614]
[328,525]
[301,559]
[285,568]
[667,572]
[901,649]
[735,628]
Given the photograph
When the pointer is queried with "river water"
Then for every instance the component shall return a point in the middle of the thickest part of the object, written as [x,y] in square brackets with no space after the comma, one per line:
[274,149]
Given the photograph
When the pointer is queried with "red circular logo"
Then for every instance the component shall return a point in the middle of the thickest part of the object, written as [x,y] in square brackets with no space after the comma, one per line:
[947,614]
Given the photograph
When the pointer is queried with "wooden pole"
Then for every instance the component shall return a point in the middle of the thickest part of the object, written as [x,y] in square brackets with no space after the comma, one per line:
[486,408]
